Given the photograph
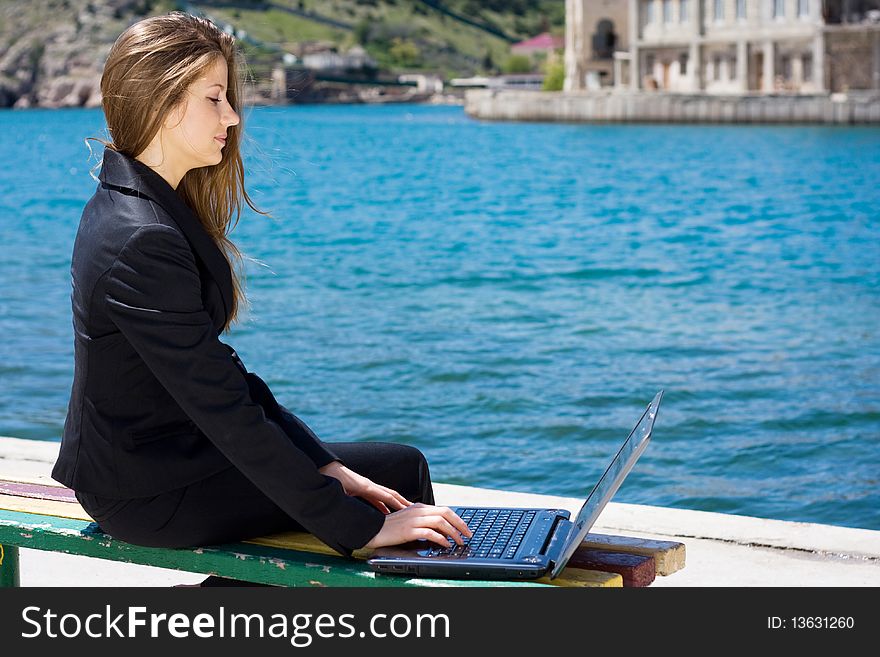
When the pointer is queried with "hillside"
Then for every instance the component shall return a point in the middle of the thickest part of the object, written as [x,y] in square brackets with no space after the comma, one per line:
[52,51]
[450,37]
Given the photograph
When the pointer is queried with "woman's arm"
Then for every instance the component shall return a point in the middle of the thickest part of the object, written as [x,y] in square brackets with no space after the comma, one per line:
[153,295]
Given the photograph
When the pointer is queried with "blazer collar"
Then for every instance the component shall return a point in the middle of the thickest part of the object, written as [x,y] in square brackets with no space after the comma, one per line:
[122,171]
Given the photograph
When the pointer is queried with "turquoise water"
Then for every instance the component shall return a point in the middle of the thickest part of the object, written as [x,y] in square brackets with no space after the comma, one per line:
[508,297]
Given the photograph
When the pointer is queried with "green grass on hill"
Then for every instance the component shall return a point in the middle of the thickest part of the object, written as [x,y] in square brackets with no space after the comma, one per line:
[400,35]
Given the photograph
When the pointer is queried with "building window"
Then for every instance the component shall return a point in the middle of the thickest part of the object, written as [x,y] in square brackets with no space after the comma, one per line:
[682,11]
[604,40]
[807,65]
[741,10]
[716,67]
[649,64]
[803,8]
[649,12]
[719,10]
[786,67]
[778,8]
[683,64]
[667,11]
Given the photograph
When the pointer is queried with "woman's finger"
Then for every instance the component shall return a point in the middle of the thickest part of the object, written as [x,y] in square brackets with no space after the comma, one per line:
[380,505]
[442,525]
[393,499]
[455,520]
[431,535]
[399,500]
[427,510]
[381,494]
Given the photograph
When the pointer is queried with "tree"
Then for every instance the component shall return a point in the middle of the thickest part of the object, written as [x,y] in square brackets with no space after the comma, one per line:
[362,32]
[488,63]
[405,52]
[554,76]
[517,64]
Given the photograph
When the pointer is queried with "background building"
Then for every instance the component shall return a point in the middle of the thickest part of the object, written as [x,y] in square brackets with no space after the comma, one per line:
[594,31]
[724,46]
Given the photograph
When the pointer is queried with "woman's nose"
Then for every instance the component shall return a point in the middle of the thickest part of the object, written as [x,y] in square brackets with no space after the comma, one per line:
[231,118]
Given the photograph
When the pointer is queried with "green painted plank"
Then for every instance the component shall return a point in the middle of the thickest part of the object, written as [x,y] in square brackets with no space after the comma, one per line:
[9,577]
[245,561]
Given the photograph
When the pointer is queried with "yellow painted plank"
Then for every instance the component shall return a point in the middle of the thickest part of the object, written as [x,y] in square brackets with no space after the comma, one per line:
[44,507]
[584,578]
[308,543]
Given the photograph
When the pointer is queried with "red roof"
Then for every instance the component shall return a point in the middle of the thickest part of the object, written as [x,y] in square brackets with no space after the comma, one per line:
[542,41]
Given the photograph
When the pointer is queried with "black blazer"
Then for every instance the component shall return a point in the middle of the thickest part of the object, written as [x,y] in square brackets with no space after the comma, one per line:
[158,401]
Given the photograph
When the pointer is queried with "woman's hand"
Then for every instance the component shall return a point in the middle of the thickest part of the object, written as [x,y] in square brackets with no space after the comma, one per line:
[416,521]
[383,498]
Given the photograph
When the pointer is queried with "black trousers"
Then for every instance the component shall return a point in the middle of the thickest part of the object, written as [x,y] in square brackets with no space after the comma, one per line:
[227,507]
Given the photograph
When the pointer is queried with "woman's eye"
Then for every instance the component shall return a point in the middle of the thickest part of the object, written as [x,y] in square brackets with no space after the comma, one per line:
[214,100]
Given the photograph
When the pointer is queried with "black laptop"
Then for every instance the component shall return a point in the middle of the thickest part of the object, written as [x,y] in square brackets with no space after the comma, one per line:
[518,543]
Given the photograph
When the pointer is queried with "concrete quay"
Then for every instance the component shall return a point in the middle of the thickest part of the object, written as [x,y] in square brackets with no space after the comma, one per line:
[722,549]
[664,107]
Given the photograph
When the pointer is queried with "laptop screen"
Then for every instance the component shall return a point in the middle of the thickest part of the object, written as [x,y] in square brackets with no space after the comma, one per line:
[610,481]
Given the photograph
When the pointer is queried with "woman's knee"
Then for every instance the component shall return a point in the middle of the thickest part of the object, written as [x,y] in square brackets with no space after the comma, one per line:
[421,490]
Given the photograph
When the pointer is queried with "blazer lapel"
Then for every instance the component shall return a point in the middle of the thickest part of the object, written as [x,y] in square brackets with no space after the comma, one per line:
[123,171]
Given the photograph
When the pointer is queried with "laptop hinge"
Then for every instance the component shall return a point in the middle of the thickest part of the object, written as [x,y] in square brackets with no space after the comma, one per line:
[556,536]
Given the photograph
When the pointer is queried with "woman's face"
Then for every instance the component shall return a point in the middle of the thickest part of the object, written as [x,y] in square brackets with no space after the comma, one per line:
[193,133]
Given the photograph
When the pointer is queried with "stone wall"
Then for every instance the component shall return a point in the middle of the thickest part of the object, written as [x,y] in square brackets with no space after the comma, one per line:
[853,58]
[669,108]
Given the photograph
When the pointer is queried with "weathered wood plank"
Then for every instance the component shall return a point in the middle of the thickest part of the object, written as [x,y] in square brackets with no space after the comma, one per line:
[293,543]
[37,491]
[46,507]
[245,561]
[9,572]
[583,577]
[669,556]
[635,569]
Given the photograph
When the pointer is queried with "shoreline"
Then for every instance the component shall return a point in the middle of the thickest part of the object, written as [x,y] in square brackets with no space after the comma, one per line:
[673,108]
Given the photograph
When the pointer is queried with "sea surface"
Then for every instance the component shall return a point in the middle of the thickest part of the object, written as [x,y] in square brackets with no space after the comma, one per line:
[508,297]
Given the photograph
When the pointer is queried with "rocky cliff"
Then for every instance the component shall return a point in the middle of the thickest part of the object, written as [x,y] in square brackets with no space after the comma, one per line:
[52,52]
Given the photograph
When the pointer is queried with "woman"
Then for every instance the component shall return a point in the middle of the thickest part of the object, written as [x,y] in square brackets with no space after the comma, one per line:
[169,441]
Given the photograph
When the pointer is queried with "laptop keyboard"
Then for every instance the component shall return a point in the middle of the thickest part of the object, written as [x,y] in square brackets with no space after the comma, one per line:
[497,533]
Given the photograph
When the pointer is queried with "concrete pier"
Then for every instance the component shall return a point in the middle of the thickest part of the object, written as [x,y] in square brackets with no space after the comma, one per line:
[722,549]
[661,107]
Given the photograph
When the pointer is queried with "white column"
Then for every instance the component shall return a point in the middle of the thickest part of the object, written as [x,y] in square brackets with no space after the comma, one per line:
[574,39]
[797,71]
[695,68]
[279,84]
[695,54]
[876,76]
[819,61]
[769,66]
[635,69]
[742,65]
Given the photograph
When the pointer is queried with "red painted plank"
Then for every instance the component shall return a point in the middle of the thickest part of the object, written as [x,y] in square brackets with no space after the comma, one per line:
[636,570]
[38,491]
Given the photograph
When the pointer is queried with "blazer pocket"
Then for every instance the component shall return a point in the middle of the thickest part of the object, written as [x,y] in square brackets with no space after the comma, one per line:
[170,430]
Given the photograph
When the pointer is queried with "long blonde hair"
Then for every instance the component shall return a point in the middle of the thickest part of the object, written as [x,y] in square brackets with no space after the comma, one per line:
[146,76]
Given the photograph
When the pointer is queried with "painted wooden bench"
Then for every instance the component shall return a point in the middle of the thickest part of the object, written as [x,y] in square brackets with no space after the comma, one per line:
[36,515]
